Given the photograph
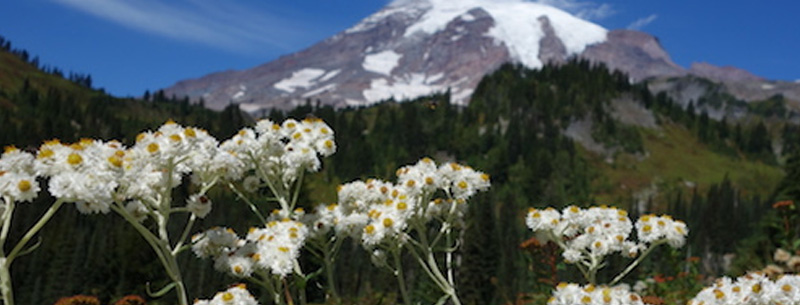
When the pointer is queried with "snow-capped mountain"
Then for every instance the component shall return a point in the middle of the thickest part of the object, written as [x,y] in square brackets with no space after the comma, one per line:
[413,48]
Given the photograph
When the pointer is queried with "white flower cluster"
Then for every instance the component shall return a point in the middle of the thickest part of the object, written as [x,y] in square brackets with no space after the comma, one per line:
[588,234]
[236,295]
[382,211]
[651,228]
[94,174]
[17,176]
[572,294]
[751,289]
[281,151]
[274,248]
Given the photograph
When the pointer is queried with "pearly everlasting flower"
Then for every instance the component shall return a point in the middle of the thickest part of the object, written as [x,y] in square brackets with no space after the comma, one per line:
[137,209]
[236,295]
[17,175]
[547,219]
[463,181]
[651,228]
[281,152]
[587,235]
[199,205]
[86,173]
[278,245]
[571,294]
[752,288]
[380,212]
[214,242]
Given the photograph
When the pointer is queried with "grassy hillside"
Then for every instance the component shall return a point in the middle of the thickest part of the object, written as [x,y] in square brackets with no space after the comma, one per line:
[677,159]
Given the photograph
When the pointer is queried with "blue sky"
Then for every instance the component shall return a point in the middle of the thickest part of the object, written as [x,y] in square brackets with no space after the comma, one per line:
[129,46]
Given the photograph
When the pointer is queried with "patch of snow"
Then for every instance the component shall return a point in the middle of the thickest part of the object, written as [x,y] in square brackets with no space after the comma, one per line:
[461,97]
[352,102]
[369,49]
[381,63]
[329,75]
[250,107]
[456,37]
[434,78]
[767,86]
[323,89]
[300,79]
[400,88]
[467,17]
[797,81]
[239,94]
[516,25]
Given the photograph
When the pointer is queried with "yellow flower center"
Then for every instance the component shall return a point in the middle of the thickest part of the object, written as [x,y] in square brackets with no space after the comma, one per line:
[189,132]
[369,229]
[152,148]
[74,159]
[227,297]
[115,161]
[24,185]
[462,184]
[45,153]
[387,222]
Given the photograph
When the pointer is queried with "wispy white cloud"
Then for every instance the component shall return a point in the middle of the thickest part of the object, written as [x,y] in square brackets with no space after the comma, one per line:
[642,22]
[221,24]
[589,10]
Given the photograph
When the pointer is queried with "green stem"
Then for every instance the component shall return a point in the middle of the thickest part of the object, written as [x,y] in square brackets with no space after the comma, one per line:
[6,287]
[398,273]
[328,257]
[5,283]
[33,230]
[7,214]
[249,203]
[636,262]
[178,247]
[162,250]
[447,287]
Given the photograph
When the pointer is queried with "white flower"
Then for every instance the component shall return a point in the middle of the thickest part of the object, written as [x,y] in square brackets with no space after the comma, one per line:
[278,245]
[199,205]
[571,294]
[544,220]
[236,295]
[137,209]
[214,242]
[251,184]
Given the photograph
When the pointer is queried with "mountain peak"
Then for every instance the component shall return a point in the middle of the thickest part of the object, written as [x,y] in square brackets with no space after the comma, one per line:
[412,48]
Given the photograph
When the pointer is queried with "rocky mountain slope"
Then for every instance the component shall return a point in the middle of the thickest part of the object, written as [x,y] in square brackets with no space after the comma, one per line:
[413,48]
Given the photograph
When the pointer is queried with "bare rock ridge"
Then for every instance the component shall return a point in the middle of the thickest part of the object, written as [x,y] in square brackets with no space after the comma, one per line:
[419,47]
[636,53]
